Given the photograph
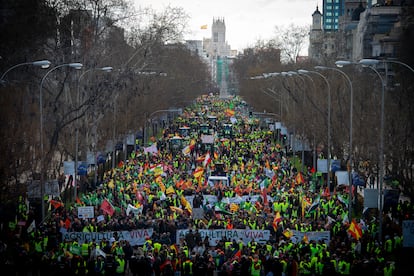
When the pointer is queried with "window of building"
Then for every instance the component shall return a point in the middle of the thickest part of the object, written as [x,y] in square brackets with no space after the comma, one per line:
[215,37]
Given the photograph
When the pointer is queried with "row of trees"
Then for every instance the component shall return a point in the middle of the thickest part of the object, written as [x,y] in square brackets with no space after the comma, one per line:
[150,72]
[301,102]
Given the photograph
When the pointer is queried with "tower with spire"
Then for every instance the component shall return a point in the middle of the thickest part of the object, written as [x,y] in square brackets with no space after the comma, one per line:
[316,37]
[218,46]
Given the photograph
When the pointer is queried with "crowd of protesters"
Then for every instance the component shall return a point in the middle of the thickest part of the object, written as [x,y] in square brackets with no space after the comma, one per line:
[157,183]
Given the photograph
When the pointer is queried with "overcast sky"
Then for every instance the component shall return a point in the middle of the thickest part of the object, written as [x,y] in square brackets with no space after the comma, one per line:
[246,20]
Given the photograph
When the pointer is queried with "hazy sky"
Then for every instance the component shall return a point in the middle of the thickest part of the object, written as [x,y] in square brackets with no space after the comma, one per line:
[246,20]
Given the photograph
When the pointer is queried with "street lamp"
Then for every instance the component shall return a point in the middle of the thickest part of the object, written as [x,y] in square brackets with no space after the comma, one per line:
[368,63]
[44,64]
[303,111]
[72,65]
[302,71]
[350,131]
[273,75]
[103,69]
[372,62]
[313,132]
[293,140]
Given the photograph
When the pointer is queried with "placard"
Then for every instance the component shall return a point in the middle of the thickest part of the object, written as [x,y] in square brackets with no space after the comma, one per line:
[86,212]
[408,233]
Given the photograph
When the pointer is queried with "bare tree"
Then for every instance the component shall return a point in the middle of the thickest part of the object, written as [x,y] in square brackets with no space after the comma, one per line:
[291,40]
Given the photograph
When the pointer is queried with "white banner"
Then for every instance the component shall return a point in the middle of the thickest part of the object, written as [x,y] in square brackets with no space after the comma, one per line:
[86,212]
[134,237]
[324,236]
[342,177]
[322,165]
[207,139]
[214,236]
[134,210]
[211,199]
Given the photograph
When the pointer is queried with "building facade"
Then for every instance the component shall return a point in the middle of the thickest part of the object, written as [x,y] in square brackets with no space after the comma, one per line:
[364,30]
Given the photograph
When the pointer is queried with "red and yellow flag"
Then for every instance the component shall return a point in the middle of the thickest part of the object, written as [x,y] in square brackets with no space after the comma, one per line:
[299,178]
[276,220]
[198,172]
[355,230]
[229,112]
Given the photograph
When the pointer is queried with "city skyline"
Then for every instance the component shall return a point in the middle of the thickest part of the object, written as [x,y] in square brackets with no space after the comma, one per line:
[246,21]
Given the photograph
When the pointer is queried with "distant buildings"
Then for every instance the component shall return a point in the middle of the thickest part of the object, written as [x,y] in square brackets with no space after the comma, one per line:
[356,29]
[218,54]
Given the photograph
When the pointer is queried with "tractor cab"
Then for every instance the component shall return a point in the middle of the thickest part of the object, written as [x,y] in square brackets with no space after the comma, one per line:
[175,144]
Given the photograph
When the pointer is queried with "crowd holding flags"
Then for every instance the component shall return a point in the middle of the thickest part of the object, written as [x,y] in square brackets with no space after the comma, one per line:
[266,197]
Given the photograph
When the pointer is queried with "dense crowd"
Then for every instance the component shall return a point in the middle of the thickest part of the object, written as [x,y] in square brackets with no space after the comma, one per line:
[165,191]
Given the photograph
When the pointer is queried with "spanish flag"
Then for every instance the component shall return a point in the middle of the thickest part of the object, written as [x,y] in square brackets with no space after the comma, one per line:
[355,230]
[299,178]
[229,112]
[203,27]
[198,172]
[216,156]
[276,221]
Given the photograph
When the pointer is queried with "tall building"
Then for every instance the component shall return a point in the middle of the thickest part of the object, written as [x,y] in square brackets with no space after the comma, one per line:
[364,30]
[316,36]
[332,10]
[322,43]
[217,46]
[218,52]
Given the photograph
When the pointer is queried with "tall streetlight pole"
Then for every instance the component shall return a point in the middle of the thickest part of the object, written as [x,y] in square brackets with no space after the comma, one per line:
[329,119]
[104,69]
[44,64]
[370,63]
[72,65]
[313,132]
[303,122]
[293,141]
[351,107]
[367,64]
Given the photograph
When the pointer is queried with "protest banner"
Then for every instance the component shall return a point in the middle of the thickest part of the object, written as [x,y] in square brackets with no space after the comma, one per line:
[134,237]
[214,236]
[317,236]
